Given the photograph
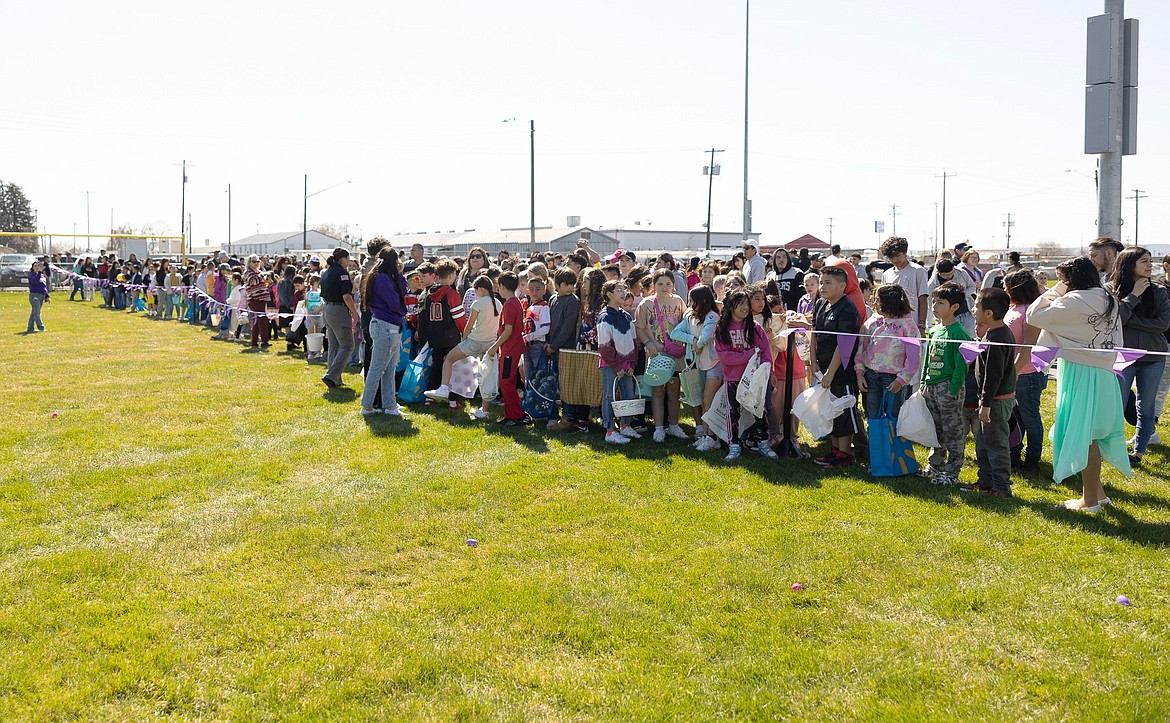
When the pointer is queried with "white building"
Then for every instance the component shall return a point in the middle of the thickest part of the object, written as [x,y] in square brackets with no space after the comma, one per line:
[271,244]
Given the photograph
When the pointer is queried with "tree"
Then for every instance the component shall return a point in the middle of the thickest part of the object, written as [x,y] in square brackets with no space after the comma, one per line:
[16,214]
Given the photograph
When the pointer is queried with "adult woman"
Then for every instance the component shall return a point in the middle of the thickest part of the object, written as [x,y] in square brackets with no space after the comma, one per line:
[383,296]
[1145,316]
[788,279]
[656,317]
[1023,289]
[162,284]
[88,270]
[974,275]
[259,297]
[1082,319]
[38,295]
[476,261]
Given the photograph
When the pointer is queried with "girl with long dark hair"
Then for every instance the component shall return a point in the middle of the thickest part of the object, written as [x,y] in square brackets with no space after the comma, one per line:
[1023,289]
[1145,317]
[383,296]
[737,337]
[1082,319]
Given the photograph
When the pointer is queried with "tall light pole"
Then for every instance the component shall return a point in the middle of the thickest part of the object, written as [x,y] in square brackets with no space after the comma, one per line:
[1008,225]
[229,193]
[305,228]
[531,183]
[747,204]
[710,172]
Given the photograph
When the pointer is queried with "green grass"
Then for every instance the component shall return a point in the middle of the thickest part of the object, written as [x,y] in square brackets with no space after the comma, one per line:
[207,533]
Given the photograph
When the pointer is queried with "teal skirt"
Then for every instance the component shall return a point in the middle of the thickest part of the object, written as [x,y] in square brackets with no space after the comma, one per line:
[1088,409]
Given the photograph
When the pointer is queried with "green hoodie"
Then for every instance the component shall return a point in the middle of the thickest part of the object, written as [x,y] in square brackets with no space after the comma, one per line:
[944,363]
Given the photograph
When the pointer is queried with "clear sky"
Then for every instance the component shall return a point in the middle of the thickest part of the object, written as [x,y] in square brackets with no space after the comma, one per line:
[855,105]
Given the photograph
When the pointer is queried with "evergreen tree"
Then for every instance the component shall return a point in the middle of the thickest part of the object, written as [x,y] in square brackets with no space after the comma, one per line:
[16,214]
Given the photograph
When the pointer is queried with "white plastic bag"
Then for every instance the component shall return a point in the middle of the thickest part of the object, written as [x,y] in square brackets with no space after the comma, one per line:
[489,378]
[465,377]
[752,392]
[716,417]
[915,422]
[813,410]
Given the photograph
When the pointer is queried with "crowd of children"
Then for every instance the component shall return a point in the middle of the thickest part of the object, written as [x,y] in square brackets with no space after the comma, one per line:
[655,326]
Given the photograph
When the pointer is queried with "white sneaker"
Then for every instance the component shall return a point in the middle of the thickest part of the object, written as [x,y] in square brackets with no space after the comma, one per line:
[677,432]
[700,430]
[368,412]
[452,404]
[707,444]
[1155,439]
[732,453]
[629,433]
[440,394]
[659,434]
[395,412]
[614,437]
[479,414]
[766,449]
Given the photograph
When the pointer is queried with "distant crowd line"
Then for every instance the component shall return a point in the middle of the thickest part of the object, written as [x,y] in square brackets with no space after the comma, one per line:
[671,331]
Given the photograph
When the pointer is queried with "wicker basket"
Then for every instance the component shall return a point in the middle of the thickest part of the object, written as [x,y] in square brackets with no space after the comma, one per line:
[626,407]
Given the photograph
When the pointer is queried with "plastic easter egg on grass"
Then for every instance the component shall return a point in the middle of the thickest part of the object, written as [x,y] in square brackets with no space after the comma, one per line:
[1123,600]
[797,586]
[471,542]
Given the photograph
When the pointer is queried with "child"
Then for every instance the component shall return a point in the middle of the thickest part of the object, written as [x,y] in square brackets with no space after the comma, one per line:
[812,291]
[882,359]
[619,352]
[478,336]
[778,325]
[654,319]
[943,378]
[564,315]
[510,346]
[537,320]
[835,312]
[995,376]
[314,319]
[697,331]
[441,319]
[737,337]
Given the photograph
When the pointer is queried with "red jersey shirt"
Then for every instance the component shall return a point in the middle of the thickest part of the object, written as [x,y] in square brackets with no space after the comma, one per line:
[512,315]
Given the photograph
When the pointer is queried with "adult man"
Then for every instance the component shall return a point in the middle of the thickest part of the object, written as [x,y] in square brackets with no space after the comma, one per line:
[416,258]
[754,270]
[909,276]
[855,259]
[341,315]
[834,254]
[816,262]
[1103,253]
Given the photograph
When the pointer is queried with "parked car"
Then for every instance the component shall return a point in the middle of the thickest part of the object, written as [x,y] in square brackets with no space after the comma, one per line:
[14,269]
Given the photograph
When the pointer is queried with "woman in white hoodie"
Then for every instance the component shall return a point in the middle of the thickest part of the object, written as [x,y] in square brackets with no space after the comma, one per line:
[1080,317]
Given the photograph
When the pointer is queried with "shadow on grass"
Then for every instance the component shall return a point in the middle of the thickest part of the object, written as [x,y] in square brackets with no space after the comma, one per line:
[386,425]
[339,395]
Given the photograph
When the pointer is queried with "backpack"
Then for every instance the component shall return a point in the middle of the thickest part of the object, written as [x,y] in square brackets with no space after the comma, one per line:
[313,301]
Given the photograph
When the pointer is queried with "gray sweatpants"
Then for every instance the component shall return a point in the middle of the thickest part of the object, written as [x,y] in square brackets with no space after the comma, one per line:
[947,411]
[992,450]
[339,332]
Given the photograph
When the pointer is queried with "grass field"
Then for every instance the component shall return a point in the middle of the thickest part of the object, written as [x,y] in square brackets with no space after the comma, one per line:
[207,533]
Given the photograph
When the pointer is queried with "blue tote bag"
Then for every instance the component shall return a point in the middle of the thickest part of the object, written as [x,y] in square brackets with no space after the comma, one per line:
[406,353]
[889,454]
[414,381]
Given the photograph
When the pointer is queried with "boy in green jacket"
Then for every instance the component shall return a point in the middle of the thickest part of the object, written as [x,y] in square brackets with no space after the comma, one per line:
[943,384]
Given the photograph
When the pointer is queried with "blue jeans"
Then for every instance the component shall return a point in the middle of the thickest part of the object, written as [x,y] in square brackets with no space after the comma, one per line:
[625,389]
[34,317]
[1148,376]
[876,383]
[225,319]
[386,341]
[1029,387]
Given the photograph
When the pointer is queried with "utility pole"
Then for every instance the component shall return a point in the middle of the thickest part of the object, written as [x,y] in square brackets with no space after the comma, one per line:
[934,240]
[531,187]
[710,172]
[830,230]
[894,213]
[944,178]
[1136,198]
[1008,225]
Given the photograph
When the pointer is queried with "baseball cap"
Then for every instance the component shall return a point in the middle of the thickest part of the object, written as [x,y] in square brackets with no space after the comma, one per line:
[752,242]
[315,260]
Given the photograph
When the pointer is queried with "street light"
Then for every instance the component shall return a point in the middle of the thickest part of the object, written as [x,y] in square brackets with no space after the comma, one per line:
[710,172]
[531,183]
[305,220]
